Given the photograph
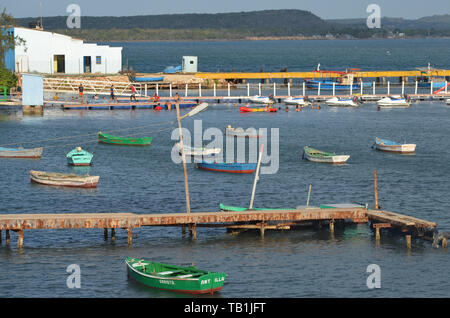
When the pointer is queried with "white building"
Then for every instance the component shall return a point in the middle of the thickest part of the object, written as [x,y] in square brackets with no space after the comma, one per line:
[53,53]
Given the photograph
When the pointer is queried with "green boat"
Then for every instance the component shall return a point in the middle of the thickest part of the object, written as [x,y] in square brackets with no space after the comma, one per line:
[230,208]
[79,157]
[174,278]
[125,141]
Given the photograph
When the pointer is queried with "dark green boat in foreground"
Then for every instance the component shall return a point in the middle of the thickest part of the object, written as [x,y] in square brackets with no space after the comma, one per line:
[125,141]
[174,278]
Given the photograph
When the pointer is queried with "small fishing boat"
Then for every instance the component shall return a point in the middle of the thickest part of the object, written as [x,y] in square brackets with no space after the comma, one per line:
[79,157]
[184,279]
[150,79]
[240,132]
[323,157]
[226,167]
[393,101]
[193,151]
[64,180]
[230,208]
[21,152]
[342,102]
[261,99]
[125,141]
[298,101]
[392,146]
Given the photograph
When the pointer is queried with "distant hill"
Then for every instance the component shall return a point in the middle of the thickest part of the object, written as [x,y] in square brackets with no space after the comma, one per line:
[436,22]
[268,19]
[239,25]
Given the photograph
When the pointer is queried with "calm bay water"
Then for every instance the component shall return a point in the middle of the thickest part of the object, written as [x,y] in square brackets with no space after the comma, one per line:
[304,263]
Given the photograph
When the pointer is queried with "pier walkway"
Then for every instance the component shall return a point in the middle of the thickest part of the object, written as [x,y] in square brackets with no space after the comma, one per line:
[250,219]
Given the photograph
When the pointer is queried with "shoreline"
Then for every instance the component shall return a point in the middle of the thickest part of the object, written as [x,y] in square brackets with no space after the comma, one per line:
[268,38]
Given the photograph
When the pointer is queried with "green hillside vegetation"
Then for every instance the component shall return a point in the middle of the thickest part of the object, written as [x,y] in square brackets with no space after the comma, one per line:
[239,26]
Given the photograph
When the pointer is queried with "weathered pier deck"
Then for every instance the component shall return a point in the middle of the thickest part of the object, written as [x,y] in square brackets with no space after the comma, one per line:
[250,219]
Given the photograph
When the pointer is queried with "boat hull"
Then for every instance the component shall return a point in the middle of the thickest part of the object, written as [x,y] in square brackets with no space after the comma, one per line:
[63,180]
[227,167]
[124,141]
[208,283]
[21,153]
[405,148]
[324,157]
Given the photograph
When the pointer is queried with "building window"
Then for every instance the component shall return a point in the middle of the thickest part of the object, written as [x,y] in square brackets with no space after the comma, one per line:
[98,59]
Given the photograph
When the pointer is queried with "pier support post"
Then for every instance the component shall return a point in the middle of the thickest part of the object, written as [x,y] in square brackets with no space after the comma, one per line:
[248,89]
[130,235]
[377,233]
[259,89]
[373,88]
[388,88]
[331,225]
[408,241]
[0,236]
[7,237]
[274,89]
[186,90]
[304,89]
[20,239]
[289,88]
[193,231]
[200,90]
[415,89]
[214,89]
[105,234]
[262,230]
[228,89]
[375,189]
[113,234]
[183,230]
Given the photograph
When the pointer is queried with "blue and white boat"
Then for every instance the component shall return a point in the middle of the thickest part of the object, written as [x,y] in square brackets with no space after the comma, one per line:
[226,167]
[21,152]
[328,85]
[392,146]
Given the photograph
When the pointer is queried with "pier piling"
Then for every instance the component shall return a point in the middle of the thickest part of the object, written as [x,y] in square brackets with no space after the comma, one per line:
[0,236]
[408,241]
[105,234]
[7,237]
[130,235]
[331,225]
[20,239]
[113,234]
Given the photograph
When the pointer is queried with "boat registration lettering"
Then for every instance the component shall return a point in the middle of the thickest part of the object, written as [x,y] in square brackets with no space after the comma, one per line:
[205,281]
[167,282]
[219,279]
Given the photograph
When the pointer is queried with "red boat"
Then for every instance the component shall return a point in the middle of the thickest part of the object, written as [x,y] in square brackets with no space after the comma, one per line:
[259,109]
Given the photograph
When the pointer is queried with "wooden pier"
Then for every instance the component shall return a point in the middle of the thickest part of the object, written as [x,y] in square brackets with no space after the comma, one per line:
[250,219]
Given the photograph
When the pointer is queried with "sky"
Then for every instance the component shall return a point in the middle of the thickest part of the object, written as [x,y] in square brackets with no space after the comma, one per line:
[326,9]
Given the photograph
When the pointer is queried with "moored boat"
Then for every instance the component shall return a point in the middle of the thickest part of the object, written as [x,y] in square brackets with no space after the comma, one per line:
[21,152]
[393,101]
[392,146]
[184,279]
[240,132]
[324,157]
[233,167]
[79,157]
[257,99]
[300,101]
[126,141]
[64,180]
[197,151]
[343,102]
